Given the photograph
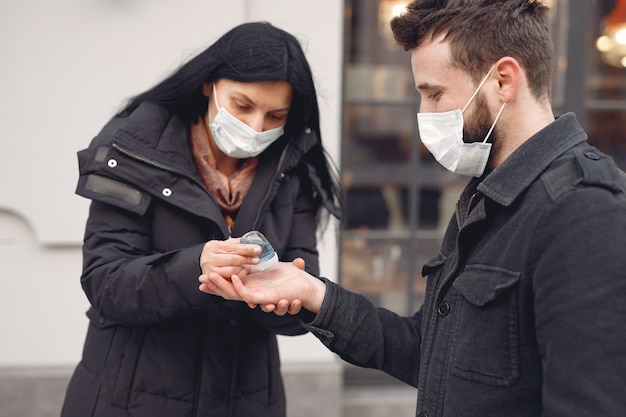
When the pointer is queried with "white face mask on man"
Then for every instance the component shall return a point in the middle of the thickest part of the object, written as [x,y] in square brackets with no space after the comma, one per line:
[235,138]
[442,134]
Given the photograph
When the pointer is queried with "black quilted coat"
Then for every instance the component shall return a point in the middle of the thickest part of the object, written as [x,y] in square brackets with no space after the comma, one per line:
[156,345]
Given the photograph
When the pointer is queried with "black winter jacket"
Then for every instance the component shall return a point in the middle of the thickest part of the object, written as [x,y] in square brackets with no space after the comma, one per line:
[525,305]
[156,345]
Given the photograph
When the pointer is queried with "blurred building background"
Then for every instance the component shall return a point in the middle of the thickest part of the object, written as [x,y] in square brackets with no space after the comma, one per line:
[67,65]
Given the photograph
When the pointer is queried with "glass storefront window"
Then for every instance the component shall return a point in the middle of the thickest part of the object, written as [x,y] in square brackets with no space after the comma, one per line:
[378,159]
[398,197]
[605,95]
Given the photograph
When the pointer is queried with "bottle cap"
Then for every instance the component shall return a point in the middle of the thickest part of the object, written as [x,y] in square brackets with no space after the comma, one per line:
[268,258]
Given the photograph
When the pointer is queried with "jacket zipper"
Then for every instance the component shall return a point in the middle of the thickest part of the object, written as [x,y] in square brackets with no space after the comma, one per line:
[164,167]
[161,166]
[459,221]
[267,192]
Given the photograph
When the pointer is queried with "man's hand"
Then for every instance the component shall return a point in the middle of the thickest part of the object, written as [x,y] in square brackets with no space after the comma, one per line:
[285,282]
[262,284]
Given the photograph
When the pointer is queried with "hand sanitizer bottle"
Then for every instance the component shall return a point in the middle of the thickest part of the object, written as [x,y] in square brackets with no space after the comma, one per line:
[268,258]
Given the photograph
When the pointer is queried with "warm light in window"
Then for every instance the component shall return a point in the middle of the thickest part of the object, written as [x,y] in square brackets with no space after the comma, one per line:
[620,36]
[612,45]
[387,10]
[398,9]
[612,41]
[603,43]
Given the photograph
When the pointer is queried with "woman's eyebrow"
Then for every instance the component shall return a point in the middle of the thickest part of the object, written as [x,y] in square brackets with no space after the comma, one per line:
[243,96]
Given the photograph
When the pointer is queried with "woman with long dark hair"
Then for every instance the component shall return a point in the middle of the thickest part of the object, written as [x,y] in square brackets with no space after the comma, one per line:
[229,143]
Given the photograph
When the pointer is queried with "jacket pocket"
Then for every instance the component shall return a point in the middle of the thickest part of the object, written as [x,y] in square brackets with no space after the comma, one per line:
[434,265]
[486,346]
[82,393]
[131,340]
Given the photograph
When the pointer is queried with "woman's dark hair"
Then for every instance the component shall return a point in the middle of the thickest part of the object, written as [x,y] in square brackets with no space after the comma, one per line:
[251,52]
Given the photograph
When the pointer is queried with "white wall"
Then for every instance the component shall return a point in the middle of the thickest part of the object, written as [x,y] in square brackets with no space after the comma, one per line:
[66,67]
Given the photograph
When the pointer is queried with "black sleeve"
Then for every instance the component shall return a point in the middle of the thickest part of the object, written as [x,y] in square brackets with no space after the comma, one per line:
[128,284]
[368,336]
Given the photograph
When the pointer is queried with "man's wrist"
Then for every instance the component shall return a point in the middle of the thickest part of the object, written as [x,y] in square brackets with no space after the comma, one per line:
[314,301]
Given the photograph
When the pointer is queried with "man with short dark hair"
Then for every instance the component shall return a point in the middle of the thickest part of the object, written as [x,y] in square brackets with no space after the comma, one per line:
[525,306]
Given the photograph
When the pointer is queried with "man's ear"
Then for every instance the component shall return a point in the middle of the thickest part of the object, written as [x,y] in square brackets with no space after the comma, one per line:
[509,75]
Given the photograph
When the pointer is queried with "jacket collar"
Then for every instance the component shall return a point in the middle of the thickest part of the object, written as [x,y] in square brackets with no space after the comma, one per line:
[505,183]
[160,131]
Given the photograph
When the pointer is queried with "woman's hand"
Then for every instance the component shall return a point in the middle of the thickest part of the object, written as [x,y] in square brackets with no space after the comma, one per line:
[228,257]
[278,290]
[286,288]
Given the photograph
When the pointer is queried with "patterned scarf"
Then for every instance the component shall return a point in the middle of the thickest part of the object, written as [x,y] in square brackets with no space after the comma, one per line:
[228,191]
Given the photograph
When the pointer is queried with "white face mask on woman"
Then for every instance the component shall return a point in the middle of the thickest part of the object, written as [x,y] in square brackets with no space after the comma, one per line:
[442,134]
[235,138]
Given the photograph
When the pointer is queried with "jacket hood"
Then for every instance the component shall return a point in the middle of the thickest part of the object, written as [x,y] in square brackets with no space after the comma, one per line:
[156,130]
[154,135]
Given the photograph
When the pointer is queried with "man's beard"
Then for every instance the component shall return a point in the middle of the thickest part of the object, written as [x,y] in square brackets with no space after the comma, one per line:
[476,125]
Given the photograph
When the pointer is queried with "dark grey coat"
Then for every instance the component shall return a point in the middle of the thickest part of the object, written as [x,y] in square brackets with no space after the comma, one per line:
[156,345]
[525,306]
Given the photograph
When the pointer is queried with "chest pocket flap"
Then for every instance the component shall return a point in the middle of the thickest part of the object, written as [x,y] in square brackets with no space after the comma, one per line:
[480,284]
[97,187]
[113,192]
[433,265]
